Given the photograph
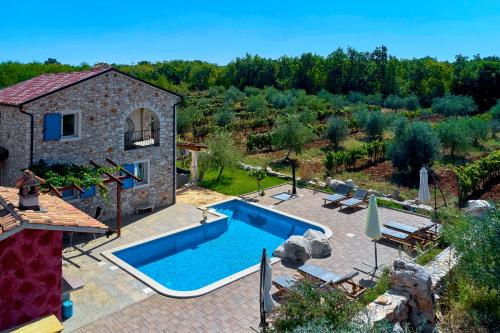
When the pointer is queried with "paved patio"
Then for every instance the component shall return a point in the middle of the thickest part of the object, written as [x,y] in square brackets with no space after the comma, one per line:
[113,301]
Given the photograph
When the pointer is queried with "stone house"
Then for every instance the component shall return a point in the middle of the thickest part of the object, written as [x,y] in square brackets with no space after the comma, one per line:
[92,115]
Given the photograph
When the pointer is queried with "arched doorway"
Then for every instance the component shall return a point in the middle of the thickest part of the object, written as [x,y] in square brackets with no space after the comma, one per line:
[142,129]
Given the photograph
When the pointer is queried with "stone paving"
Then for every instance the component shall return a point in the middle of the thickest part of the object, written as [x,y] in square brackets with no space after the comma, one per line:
[113,301]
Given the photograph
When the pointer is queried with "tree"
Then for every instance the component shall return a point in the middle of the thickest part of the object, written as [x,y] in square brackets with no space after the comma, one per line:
[394,102]
[291,135]
[413,147]
[224,117]
[454,135]
[221,152]
[451,105]
[259,175]
[336,130]
[411,102]
[478,129]
[495,119]
[51,61]
[375,124]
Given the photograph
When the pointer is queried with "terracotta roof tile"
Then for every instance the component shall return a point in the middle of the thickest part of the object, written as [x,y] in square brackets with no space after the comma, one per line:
[43,84]
[54,212]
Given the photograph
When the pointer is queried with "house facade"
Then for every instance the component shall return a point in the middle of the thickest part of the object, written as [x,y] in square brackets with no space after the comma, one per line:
[88,116]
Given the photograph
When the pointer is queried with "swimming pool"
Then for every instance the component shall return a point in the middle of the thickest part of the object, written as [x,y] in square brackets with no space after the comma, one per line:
[197,259]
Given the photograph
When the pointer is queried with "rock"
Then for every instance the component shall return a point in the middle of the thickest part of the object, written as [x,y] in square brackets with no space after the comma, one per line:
[328,180]
[396,195]
[315,180]
[382,300]
[413,279]
[477,208]
[372,191]
[318,243]
[397,328]
[295,250]
[350,183]
[334,183]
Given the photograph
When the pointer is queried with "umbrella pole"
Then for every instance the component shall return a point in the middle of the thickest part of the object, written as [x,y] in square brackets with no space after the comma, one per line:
[376,261]
[261,297]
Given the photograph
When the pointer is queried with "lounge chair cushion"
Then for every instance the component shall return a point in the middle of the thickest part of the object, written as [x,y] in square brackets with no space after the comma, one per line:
[394,233]
[360,194]
[350,202]
[319,273]
[284,281]
[400,226]
[343,189]
[335,197]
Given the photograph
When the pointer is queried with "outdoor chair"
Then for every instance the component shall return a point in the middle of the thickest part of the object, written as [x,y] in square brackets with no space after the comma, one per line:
[284,282]
[344,282]
[342,193]
[409,239]
[358,198]
[428,232]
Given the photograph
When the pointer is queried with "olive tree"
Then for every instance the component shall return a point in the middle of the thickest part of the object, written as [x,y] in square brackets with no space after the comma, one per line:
[495,118]
[259,175]
[221,152]
[415,145]
[336,130]
[454,135]
[454,105]
[291,135]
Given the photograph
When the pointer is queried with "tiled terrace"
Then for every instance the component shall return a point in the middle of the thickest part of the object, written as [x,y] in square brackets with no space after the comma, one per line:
[113,301]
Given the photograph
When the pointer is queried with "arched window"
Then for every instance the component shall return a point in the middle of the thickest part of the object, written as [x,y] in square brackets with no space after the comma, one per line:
[130,125]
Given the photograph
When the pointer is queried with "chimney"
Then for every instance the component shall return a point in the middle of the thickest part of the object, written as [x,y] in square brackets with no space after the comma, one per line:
[29,190]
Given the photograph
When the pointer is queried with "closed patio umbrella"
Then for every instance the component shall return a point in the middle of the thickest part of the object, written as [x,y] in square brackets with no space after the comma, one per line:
[372,228]
[266,300]
[423,190]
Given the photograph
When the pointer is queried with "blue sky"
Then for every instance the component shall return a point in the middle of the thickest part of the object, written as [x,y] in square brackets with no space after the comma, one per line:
[130,31]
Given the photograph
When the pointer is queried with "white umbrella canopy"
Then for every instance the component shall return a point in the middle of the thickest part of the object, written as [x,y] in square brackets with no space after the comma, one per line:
[268,277]
[423,191]
[372,228]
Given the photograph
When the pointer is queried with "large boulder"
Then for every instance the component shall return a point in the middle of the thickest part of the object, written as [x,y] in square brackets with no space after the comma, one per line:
[334,183]
[318,243]
[295,250]
[413,279]
[351,183]
[477,208]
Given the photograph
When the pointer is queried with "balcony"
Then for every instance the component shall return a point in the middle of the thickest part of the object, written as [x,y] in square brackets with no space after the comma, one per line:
[142,139]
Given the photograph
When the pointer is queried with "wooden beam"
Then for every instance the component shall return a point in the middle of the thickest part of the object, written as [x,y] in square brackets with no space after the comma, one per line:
[78,188]
[113,178]
[123,170]
[53,189]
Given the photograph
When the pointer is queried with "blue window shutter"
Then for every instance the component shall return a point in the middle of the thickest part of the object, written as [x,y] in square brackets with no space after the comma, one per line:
[52,127]
[88,192]
[128,182]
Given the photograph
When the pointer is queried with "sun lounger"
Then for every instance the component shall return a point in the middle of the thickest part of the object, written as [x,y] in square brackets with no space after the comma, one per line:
[357,199]
[342,193]
[425,232]
[403,238]
[284,282]
[352,289]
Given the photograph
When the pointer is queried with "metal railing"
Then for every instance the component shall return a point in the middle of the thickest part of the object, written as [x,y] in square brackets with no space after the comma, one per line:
[141,139]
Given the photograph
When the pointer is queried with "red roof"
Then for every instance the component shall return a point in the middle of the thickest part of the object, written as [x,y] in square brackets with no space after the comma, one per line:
[44,84]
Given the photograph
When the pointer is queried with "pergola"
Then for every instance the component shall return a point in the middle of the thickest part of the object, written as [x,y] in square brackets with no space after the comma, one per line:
[194,149]
[109,178]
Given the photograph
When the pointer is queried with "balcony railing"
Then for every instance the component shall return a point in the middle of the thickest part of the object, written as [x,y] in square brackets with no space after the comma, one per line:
[141,139]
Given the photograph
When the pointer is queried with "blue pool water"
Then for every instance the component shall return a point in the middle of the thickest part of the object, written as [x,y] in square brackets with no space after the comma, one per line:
[194,258]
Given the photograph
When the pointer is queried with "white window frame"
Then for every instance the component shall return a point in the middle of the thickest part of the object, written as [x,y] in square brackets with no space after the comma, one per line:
[78,126]
[146,182]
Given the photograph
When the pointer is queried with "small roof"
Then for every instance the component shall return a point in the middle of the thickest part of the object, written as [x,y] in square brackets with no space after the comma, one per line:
[191,146]
[55,214]
[28,178]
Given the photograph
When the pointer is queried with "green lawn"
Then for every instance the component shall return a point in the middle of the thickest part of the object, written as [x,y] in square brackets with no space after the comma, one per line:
[236,182]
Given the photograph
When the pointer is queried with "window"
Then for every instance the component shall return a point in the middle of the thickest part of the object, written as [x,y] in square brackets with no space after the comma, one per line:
[69,195]
[70,125]
[141,170]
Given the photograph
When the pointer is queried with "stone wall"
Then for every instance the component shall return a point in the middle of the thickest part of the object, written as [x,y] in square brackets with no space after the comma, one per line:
[30,276]
[105,101]
[14,136]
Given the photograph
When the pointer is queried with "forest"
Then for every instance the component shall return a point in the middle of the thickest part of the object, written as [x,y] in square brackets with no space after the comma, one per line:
[341,72]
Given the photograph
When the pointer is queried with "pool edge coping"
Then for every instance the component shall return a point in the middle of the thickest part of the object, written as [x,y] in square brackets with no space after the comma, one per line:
[159,288]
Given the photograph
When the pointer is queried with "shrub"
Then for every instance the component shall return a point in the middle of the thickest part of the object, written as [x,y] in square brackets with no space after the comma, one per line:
[336,130]
[374,99]
[259,141]
[335,101]
[411,102]
[393,102]
[495,118]
[224,117]
[418,144]
[361,117]
[233,95]
[214,91]
[454,135]
[375,124]
[356,97]
[453,105]
[257,105]
[251,91]
[478,129]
